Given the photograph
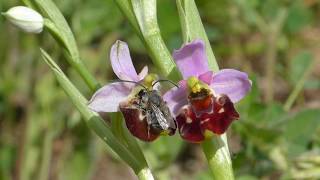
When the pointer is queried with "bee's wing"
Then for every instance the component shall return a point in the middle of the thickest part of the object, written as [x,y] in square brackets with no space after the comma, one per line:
[160,117]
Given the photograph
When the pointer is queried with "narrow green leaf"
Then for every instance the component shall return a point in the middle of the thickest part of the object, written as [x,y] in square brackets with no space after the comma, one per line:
[60,30]
[146,14]
[54,14]
[183,21]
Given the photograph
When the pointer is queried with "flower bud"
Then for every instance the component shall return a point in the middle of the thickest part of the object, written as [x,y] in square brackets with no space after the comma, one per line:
[25,18]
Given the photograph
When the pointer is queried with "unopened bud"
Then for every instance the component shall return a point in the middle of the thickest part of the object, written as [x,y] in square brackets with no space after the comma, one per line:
[25,18]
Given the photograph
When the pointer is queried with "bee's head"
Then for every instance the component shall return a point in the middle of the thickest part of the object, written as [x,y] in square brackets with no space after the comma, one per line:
[143,95]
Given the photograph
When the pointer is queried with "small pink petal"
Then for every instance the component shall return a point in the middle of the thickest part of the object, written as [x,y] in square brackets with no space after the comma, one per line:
[235,84]
[206,77]
[107,98]
[176,97]
[121,61]
[191,59]
[143,73]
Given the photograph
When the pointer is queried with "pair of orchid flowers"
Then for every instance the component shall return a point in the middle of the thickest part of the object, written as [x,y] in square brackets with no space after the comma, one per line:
[201,105]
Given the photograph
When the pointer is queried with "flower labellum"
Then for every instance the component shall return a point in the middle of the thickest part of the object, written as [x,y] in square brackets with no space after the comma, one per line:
[145,112]
[25,18]
[203,103]
[147,115]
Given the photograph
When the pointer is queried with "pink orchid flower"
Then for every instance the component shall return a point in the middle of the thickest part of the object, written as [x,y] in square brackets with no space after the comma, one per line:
[121,96]
[204,100]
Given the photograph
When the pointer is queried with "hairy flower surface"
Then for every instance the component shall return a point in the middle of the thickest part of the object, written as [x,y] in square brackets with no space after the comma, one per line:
[146,114]
[203,103]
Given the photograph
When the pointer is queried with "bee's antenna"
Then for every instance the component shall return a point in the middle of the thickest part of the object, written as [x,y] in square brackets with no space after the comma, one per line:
[120,80]
[160,80]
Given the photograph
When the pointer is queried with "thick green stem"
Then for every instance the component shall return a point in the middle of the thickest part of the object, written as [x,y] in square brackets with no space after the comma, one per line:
[160,54]
[217,154]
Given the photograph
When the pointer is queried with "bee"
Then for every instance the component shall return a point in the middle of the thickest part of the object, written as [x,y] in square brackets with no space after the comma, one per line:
[147,115]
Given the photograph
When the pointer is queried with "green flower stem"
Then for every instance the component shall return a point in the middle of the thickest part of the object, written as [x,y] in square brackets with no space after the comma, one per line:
[217,153]
[142,16]
[95,122]
[160,54]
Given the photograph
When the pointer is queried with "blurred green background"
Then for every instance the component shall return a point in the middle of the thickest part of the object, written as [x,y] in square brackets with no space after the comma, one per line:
[277,42]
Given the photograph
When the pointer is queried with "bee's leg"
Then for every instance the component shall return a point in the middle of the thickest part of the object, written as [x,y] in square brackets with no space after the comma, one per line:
[148,122]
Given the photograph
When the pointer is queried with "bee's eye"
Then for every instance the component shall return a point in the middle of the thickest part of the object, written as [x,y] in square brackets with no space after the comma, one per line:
[142,93]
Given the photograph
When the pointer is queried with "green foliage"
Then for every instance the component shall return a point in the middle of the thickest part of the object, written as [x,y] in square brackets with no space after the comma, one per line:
[298,65]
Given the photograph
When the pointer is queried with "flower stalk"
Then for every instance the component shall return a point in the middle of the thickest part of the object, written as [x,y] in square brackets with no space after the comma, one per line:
[218,156]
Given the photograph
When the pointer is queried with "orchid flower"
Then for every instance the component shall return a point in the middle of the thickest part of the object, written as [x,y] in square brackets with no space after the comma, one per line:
[109,97]
[204,102]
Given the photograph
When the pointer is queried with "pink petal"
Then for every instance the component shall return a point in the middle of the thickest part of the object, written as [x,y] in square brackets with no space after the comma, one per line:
[206,77]
[107,98]
[176,97]
[235,84]
[121,62]
[191,59]
[143,73]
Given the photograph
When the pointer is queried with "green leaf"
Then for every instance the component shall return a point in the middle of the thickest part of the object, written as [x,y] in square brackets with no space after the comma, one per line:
[60,29]
[299,16]
[54,14]
[299,130]
[192,28]
[298,65]
[146,14]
